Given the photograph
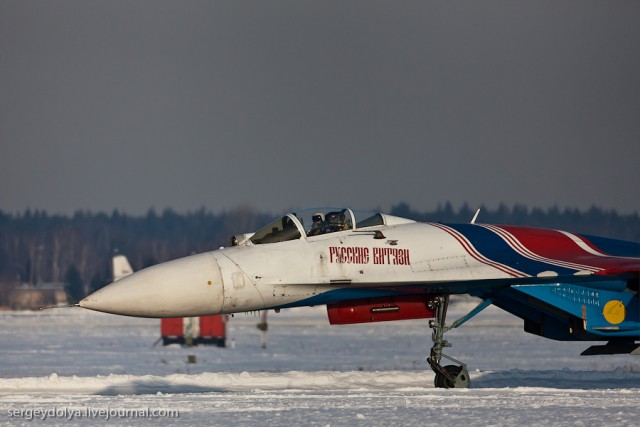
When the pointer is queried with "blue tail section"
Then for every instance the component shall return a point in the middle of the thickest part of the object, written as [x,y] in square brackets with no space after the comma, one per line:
[572,312]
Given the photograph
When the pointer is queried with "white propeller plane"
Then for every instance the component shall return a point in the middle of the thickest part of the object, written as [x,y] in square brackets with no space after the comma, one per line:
[370,267]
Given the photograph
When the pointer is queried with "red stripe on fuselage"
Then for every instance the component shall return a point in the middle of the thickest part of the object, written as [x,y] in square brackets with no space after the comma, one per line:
[528,253]
[556,245]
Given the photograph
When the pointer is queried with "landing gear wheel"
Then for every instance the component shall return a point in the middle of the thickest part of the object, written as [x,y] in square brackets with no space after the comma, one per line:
[450,376]
[459,375]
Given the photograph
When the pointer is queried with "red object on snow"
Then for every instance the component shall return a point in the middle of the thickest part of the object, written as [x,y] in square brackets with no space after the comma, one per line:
[213,327]
[172,327]
[211,330]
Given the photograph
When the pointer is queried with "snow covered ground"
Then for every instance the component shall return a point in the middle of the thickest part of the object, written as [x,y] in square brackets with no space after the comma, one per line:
[72,366]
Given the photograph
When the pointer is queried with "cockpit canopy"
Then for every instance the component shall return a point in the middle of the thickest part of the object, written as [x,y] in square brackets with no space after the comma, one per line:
[309,223]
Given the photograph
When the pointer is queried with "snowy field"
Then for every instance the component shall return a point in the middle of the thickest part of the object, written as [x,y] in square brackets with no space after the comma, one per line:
[73,366]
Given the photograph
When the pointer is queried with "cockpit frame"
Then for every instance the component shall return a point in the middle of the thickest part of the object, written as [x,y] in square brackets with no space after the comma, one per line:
[308,223]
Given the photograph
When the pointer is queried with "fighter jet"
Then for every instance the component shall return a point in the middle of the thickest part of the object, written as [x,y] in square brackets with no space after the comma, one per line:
[371,267]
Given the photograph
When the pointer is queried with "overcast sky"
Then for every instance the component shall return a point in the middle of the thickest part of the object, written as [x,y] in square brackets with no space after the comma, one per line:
[285,104]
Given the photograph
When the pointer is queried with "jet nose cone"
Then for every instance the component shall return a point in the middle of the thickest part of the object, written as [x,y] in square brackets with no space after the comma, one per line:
[190,286]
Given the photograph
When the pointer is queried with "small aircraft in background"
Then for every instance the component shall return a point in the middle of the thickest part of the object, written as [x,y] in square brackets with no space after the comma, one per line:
[120,267]
[371,267]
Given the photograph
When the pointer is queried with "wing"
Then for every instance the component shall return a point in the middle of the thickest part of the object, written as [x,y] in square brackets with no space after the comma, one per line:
[579,287]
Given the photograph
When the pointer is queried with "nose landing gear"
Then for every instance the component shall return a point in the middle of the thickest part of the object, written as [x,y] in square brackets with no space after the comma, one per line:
[448,376]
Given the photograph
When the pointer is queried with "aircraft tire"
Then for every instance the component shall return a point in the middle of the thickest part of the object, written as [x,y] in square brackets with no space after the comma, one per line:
[458,372]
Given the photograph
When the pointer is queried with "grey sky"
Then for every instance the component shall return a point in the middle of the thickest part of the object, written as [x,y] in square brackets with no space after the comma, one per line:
[282,104]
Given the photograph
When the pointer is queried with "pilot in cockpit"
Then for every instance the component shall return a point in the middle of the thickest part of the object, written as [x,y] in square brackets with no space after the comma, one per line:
[318,224]
[336,221]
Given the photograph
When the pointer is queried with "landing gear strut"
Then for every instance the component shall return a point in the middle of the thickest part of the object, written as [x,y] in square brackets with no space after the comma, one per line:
[449,376]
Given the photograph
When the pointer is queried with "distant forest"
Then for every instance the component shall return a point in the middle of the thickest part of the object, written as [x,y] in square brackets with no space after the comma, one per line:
[38,248]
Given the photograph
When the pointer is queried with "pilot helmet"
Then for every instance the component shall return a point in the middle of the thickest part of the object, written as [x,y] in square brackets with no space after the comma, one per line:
[317,217]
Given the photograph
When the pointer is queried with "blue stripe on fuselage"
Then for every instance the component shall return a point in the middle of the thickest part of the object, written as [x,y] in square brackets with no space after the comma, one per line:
[614,247]
[496,249]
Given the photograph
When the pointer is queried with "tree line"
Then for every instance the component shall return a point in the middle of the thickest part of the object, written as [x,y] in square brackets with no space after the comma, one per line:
[39,248]
[594,221]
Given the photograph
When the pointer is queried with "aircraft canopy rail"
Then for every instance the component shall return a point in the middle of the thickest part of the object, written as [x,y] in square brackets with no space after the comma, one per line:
[308,223]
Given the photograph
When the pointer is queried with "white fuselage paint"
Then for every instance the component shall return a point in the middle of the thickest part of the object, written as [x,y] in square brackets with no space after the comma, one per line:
[252,277]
